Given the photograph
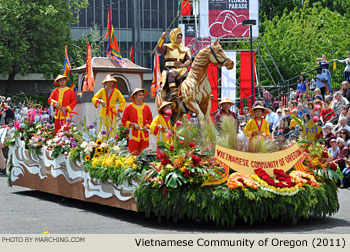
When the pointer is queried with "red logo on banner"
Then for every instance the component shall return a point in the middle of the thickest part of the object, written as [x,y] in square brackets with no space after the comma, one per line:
[228,23]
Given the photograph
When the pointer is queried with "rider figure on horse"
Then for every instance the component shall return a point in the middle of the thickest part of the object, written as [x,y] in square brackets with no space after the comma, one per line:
[176,60]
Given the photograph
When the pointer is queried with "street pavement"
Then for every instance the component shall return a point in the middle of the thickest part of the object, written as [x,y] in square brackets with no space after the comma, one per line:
[26,211]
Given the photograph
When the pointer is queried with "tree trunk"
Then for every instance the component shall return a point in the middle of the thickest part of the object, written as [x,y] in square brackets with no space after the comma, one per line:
[10,83]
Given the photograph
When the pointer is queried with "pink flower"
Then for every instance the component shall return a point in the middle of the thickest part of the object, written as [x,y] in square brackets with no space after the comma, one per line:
[16,124]
[315,118]
[178,123]
[169,134]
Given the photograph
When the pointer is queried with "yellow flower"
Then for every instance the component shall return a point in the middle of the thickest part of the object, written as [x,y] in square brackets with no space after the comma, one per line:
[98,142]
[98,150]
[134,166]
[87,158]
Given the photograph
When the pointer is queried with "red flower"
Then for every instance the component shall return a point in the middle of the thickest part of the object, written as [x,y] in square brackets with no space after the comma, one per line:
[186,173]
[195,160]
[182,143]
[165,190]
[117,137]
[123,131]
[127,135]
[165,162]
[192,145]
[319,136]
[325,154]
[171,147]
[161,155]
[333,166]
[307,151]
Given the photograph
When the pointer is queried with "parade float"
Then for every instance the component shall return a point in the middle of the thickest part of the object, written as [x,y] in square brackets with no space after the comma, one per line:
[203,174]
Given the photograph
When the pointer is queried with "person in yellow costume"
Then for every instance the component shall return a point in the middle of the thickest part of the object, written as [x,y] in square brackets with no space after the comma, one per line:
[257,125]
[176,60]
[161,124]
[108,97]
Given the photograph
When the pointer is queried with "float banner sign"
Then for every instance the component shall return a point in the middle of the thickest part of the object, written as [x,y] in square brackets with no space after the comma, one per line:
[246,162]
[311,130]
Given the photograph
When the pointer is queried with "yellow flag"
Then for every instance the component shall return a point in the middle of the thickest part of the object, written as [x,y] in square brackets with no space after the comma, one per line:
[334,65]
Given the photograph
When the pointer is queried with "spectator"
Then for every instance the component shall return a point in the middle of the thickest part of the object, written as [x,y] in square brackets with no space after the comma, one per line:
[345,89]
[306,118]
[280,142]
[343,153]
[271,118]
[324,64]
[282,126]
[341,125]
[293,122]
[300,110]
[328,134]
[346,136]
[338,102]
[292,94]
[279,116]
[317,94]
[346,172]
[275,103]
[321,81]
[2,161]
[267,97]
[347,67]
[302,88]
[333,150]
[327,114]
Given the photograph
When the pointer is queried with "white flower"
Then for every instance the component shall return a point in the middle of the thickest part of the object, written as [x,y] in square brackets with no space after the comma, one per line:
[116,149]
[99,136]
[56,139]
[84,145]
[104,145]
[67,141]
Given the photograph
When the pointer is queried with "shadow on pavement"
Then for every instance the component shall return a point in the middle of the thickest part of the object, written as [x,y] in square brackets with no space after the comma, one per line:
[152,222]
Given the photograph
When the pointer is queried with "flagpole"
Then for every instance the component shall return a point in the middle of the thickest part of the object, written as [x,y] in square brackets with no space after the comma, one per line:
[178,14]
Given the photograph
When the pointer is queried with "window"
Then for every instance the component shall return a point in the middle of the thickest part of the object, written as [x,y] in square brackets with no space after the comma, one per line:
[98,16]
[121,84]
[154,19]
[82,18]
[123,18]
[147,19]
[90,17]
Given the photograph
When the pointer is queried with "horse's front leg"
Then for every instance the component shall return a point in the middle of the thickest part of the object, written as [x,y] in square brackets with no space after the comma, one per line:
[193,106]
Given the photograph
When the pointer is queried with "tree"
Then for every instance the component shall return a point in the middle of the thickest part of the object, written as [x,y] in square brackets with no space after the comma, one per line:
[33,35]
[297,38]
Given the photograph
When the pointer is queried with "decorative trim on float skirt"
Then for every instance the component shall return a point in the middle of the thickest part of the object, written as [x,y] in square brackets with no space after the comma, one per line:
[62,177]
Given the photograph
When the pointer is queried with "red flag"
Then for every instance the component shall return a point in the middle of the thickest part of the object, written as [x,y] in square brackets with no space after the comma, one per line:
[246,90]
[213,80]
[108,24]
[132,55]
[157,77]
[186,8]
[89,81]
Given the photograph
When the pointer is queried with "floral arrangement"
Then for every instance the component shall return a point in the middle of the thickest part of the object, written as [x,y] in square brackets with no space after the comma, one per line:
[240,180]
[282,184]
[67,138]
[302,178]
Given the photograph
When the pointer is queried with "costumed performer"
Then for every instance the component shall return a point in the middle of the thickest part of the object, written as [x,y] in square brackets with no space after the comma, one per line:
[176,60]
[138,117]
[64,99]
[161,124]
[108,97]
[225,105]
[257,125]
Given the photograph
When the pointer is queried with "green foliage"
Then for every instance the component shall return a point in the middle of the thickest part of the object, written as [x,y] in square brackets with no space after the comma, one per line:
[298,37]
[225,207]
[33,35]
[74,154]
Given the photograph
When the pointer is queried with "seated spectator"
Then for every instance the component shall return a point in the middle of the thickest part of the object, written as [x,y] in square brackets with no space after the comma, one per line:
[338,102]
[343,153]
[293,138]
[317,94]
[333,150]
[271,118]
[310,105]
[346,136]
[306,118]
[346,171]
[291,105]
[279,116]
[275,103]
[267,97]
[341,125]
[280,142]
[345,89]
[300,110]
[328,134]
[282,126]
[327,114]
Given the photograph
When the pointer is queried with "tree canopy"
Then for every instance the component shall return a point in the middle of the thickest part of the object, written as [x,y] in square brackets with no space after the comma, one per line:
[33,35]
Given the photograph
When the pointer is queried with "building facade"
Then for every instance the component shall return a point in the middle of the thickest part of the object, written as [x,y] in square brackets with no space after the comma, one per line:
[137,23]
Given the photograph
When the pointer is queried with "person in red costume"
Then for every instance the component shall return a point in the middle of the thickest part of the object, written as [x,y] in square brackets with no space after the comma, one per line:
[63,99]
[138,117]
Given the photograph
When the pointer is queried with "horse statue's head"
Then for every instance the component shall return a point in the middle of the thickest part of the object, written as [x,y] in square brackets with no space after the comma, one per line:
[218,55]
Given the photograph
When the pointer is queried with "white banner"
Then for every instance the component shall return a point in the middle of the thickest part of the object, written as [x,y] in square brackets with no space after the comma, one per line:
[228,79]
[223,18]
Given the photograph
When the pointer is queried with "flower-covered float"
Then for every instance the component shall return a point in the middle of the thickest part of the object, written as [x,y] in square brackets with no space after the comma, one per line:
[187,179]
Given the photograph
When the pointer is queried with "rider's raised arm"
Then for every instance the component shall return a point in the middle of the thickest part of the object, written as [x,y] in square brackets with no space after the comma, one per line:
[161,48]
